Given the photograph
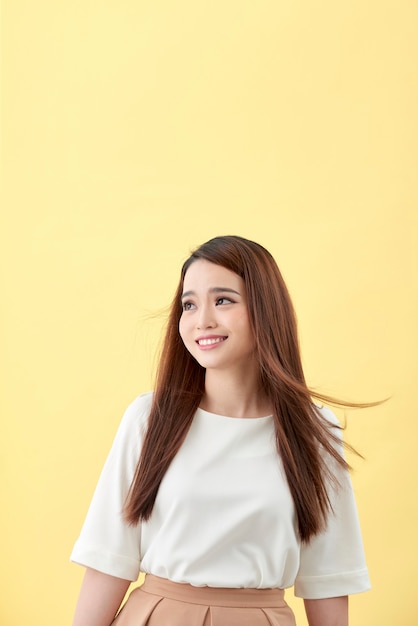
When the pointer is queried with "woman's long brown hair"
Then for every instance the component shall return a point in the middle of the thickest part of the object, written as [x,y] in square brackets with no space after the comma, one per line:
[304,439]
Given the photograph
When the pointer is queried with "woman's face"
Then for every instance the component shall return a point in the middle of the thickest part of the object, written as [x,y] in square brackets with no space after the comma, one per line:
[215,325]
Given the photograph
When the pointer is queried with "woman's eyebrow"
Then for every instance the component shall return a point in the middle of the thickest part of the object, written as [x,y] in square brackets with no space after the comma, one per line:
[187,294]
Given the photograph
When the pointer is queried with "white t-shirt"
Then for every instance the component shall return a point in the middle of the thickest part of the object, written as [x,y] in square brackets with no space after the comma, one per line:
[223,516]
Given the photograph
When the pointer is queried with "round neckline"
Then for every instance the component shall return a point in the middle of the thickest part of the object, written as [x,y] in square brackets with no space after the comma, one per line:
[240,419]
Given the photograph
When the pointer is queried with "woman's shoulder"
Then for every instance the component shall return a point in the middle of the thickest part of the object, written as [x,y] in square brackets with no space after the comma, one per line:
[332,425]
[326,414]
[141,405]
[135,417]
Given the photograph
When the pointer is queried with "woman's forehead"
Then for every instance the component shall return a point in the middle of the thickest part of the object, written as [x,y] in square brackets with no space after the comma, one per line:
[204,274]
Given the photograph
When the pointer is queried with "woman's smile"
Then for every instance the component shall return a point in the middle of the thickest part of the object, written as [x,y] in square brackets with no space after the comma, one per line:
[211,341]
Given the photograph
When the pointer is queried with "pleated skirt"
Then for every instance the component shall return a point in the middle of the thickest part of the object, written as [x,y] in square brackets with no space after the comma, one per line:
[161,602]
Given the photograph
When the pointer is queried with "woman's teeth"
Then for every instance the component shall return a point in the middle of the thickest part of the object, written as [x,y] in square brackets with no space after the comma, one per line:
[209,342]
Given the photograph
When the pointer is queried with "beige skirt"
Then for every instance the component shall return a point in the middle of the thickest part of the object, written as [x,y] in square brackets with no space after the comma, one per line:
[161,602]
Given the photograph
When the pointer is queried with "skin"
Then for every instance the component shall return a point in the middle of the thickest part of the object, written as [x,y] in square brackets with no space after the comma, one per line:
[327,612]
[100,597]
[214,312]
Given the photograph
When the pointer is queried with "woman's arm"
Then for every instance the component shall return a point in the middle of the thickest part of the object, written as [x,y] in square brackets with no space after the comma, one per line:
[100,597]
[327,611]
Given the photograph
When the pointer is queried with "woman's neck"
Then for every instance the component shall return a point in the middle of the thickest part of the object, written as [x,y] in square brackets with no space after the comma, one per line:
[234,395]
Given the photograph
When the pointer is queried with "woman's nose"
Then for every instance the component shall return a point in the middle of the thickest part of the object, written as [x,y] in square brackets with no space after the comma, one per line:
[205,318]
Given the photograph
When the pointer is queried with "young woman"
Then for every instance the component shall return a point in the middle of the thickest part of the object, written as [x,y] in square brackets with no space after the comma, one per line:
[228,483]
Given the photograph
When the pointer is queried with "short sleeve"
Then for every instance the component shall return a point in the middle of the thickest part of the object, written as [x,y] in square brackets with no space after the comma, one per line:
[106,542]
[333,563]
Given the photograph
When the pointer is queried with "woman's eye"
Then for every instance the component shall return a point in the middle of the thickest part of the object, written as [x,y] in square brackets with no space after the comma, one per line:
[223,301]
[187,306]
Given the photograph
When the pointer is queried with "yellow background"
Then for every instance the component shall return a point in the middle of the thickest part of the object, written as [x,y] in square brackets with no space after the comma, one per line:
[132,132]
